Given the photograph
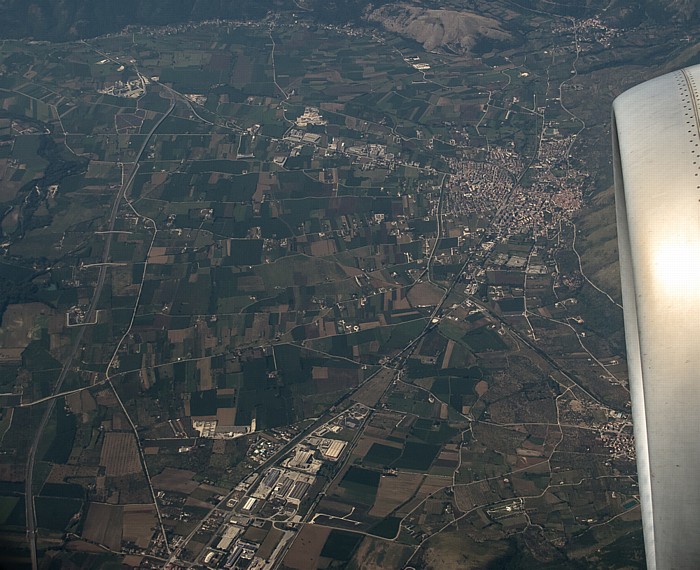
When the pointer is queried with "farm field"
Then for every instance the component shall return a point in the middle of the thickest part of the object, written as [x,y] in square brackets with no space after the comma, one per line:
[315,290]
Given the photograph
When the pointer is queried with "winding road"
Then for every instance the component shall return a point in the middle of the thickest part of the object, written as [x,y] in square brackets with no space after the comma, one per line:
[30,509]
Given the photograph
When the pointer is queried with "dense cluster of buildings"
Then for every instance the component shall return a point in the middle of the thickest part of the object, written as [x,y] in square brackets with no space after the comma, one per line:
[263,511]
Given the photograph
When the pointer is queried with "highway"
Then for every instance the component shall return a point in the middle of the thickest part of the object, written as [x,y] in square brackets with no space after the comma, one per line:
[30,511]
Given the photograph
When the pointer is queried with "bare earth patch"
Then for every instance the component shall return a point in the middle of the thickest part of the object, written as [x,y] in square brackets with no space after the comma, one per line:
[104,525]
[120,455]
[306,550]
[393,491]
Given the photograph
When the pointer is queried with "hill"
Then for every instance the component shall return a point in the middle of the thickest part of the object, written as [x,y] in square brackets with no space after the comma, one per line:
[430,23]
[457,31]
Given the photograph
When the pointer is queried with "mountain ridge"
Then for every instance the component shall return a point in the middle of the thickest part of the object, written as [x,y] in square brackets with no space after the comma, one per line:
[457,30]
[65,20]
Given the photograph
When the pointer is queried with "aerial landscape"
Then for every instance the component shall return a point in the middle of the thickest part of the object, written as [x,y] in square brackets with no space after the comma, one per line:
[307,284]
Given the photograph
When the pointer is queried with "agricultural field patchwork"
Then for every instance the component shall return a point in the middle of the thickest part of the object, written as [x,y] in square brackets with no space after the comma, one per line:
[315,296]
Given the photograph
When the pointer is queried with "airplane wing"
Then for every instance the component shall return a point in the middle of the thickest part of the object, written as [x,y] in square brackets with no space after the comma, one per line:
[656,138]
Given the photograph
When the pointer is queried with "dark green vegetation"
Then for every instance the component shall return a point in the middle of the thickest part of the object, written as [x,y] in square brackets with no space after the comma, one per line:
[340,545]
[19,290]
[382,455]
[50,19]
[55,513]
[387,528]
[414,456]
[59,21]
[361,485]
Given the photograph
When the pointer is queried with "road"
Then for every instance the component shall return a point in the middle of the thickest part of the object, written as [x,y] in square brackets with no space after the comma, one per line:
[398,360]
[532,346]
[30,510]
[260,469]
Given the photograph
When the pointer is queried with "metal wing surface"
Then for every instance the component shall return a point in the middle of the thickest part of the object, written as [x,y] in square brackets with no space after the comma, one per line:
[656,138]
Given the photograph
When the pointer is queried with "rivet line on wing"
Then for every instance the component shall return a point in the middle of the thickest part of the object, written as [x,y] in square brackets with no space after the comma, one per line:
[689,93]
